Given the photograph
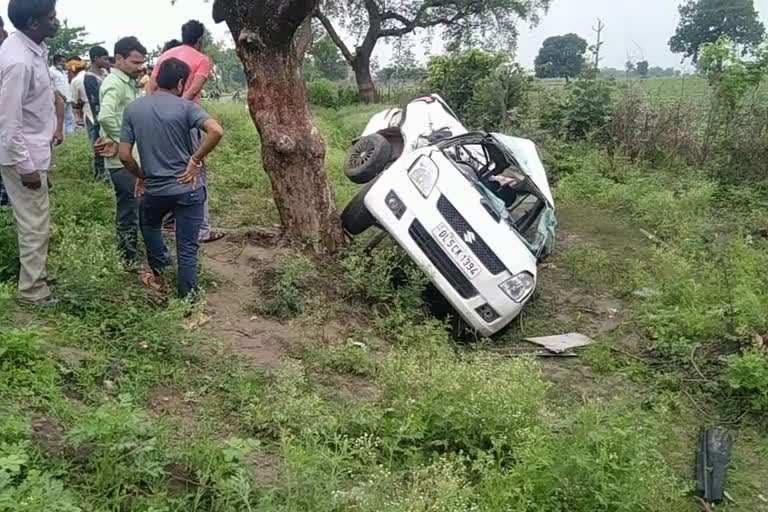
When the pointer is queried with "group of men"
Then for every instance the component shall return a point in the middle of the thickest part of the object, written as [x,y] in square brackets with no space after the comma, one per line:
[153,146]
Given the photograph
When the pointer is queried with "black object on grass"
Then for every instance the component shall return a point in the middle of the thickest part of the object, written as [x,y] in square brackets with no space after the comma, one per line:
[713,454]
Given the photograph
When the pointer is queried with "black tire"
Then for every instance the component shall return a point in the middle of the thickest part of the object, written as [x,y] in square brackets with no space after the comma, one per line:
[367,158]
[356,218]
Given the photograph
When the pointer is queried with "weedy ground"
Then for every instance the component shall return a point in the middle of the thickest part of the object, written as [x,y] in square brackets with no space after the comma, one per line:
[301,384]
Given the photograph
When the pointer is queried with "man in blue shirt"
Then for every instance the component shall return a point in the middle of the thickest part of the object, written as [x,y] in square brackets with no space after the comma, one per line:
[162,125]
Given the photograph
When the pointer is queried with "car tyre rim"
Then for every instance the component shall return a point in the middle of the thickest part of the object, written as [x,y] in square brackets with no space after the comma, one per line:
[362,153]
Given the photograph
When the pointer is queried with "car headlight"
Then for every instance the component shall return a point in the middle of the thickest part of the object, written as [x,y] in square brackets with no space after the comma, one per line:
[424,175]
[519,287]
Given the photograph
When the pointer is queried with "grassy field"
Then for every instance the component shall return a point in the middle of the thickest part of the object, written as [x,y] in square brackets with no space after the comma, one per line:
[327,385]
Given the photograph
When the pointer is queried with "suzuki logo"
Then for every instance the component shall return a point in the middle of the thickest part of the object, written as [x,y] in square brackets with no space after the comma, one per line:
[470,237]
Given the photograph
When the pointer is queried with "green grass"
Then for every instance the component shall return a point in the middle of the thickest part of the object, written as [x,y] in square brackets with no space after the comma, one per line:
[388,412]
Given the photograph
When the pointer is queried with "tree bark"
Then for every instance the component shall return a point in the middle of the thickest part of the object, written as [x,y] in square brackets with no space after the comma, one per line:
[293,151]
[365,85]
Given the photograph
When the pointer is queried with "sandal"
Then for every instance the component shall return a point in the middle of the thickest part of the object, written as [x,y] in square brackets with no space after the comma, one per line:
[213,236]
[152,282]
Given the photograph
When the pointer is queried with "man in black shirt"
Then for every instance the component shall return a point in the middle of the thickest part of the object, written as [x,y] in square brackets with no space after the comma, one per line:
[90,96]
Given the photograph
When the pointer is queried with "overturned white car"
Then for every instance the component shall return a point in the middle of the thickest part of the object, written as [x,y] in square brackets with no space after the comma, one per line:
[474,210]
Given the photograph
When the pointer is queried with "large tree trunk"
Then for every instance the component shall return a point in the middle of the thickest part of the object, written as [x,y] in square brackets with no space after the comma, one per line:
[362,68]
[293,151]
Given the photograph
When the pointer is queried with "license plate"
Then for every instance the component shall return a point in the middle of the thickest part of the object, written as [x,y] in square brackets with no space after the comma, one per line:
[456,251]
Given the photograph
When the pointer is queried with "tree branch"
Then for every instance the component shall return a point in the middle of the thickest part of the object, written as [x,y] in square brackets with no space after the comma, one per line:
[220,8]
[334,36]
[418,20]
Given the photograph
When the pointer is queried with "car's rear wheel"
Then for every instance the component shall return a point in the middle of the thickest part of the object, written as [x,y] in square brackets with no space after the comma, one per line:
[356,218]
[367,158]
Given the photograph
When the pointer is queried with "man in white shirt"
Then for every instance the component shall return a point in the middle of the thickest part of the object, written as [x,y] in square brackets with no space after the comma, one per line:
[3,195]
[85,92]
[61,83]
[28,125]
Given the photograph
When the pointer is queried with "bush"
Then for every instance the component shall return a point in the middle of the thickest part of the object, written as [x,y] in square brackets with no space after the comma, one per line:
[287,295]
[454,76]
[25,488]
[479,405]
[747,374]
[348,96]
[646,128]
[323,93]
[585,108]
[608,460]
[124,452]
[9,249]
[499,101]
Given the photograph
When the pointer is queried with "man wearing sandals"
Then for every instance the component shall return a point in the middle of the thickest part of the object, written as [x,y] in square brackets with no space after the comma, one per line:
[190,52]
[162,125]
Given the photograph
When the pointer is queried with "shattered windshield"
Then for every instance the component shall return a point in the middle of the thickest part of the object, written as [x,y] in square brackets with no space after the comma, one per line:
[528,214]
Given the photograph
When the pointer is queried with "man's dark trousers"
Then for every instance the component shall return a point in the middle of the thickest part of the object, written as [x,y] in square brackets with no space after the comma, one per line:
[188,210]
[98,161]
[127,215]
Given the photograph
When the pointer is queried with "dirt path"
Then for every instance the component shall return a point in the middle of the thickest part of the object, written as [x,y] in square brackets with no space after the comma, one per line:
[235,266]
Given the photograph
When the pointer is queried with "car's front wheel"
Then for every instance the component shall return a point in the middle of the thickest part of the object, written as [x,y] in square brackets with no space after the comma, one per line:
[356,218]
[367,158]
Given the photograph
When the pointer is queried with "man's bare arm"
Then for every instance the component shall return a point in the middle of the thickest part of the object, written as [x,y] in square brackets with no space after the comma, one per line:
[58,137]
[126,157]
[214,133]
[194,88]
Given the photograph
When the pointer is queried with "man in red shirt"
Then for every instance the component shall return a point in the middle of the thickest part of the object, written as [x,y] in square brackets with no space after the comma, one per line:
[190,53]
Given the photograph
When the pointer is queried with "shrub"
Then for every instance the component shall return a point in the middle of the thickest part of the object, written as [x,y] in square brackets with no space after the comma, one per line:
[442,486]
[9,250]
[25,488]
[323,93]
[287,294]
[585,108]
[499,100]
[124,451]
[222,479]
[747,374]
[644,128]
[454,76]
[476,405]
[607,460]
[287,405]
[348,96]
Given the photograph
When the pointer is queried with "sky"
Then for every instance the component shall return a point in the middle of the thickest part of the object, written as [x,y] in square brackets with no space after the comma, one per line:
[635,29]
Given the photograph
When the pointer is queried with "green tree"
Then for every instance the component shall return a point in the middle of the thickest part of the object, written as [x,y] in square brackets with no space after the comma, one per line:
[561,57]
[705,21]
[454,76]
[69,41]
[465,22]
[630,68]
[642,68]
[327,59]
[403,65]
[228,71]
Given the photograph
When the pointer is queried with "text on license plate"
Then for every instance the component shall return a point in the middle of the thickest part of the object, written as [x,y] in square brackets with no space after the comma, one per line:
[463,259]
